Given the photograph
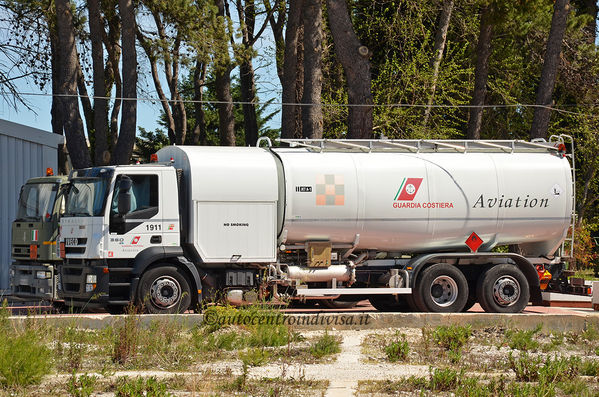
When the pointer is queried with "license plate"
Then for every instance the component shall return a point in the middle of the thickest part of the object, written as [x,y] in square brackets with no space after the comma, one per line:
[70,241]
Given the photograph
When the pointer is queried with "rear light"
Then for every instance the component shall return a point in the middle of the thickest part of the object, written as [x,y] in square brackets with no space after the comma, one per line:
[62,251]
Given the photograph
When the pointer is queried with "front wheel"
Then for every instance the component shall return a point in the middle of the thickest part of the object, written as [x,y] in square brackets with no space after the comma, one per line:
[441,288]
[164,290]
[503,289]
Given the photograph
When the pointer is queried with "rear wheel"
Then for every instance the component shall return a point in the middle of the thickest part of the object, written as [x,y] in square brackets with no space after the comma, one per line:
[337,304]
[503,289]
[389,303]
[441,288]
[164,290]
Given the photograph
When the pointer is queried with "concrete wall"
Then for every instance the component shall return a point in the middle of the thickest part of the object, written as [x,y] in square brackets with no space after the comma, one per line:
[25,152]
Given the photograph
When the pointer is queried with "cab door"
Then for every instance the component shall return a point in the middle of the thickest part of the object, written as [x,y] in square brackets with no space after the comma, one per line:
[141,226]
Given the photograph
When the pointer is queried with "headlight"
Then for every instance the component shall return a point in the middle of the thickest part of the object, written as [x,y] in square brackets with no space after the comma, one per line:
[43,274]
[89,287]
[91,279]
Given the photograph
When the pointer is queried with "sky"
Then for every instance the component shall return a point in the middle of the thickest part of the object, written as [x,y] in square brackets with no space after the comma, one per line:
[267,84]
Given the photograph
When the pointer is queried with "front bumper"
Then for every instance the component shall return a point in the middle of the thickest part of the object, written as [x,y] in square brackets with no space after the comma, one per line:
[25,283]
[73,286]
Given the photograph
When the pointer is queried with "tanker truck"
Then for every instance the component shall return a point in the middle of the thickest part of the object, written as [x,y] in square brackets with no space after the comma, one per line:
[421,224]
[34,237]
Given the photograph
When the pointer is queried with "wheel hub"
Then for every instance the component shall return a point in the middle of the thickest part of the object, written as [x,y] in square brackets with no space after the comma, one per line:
[506,290]
[165,291]
[444,291]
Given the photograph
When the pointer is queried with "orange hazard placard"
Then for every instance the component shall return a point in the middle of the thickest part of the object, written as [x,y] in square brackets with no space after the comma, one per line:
[474,242]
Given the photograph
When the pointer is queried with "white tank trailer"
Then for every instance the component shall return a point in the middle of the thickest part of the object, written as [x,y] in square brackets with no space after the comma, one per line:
[325,216]
[408,224]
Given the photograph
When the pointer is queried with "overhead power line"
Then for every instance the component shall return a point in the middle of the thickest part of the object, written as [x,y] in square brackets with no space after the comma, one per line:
[555,108]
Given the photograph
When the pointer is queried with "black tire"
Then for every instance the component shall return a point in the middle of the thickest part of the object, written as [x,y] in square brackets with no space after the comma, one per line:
[337,304]
[164,289]
[441,288]
[389,303]
[503,289]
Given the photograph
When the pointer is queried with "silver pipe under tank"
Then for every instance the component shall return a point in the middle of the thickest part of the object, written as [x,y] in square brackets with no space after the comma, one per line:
[308,274]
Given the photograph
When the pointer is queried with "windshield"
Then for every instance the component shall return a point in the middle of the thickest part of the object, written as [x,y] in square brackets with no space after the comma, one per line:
[87,193]
[37,201]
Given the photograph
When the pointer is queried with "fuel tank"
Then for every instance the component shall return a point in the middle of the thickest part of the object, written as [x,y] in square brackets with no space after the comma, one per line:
[424,202]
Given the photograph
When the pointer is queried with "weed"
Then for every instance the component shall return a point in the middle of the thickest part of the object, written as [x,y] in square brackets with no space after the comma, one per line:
[444,379]
[325,345]
[522,340]
[24,360]
[556,340]
[590,334]
[254,357]
[589,368]
[150,387]
[82,386]
[398,349]
[525,367]
[452,337]
[70,348]
[574,387]
[126,339]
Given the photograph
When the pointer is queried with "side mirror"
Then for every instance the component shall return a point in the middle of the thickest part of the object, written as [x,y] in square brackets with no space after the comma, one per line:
[124,200]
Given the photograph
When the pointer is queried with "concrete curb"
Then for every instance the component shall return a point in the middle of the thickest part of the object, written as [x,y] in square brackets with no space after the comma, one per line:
[339,321]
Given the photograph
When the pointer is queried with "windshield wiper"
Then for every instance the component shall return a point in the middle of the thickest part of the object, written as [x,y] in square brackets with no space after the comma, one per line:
[28,218]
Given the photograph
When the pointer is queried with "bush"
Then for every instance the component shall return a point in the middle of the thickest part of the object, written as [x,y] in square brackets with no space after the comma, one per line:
[82,386]
[325,345]
[522,340]
[452,337]
[444,379]
[24,360]
[398,350]
[149,387]
[254,357]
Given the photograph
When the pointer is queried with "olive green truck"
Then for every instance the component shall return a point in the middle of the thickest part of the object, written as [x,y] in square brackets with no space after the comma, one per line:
[34,235]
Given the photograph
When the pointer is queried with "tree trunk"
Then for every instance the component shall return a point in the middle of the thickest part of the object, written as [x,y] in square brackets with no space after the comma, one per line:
[291,79]
[73,125]
[55,112]
[112,72]
[481,72]
[199,131]
[354,59]
[222,82]
[101,155]
[247,15]
[312,121]
[277,25]
[440,40]
[124,145]
[540,121]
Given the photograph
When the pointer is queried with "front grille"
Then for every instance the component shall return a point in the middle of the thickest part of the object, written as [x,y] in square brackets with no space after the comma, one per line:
[20,251]
[74,250]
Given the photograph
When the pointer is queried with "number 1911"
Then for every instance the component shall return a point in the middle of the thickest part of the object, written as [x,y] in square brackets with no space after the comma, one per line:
[152,227]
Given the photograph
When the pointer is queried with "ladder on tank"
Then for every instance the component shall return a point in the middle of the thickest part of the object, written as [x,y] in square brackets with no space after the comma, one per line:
[563,139]
[422,145]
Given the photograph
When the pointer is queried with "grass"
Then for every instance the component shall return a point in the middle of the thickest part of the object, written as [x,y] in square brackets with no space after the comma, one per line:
[398,349]
[522,340]
[325,345]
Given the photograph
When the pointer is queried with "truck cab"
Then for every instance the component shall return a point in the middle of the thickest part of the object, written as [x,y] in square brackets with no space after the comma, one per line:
[113,217]
[34,236]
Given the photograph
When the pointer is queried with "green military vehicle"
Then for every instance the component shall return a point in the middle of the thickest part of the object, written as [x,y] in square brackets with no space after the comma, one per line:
[34,239]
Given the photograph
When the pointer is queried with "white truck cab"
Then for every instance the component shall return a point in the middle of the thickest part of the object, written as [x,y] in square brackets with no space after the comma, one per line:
[113,214]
